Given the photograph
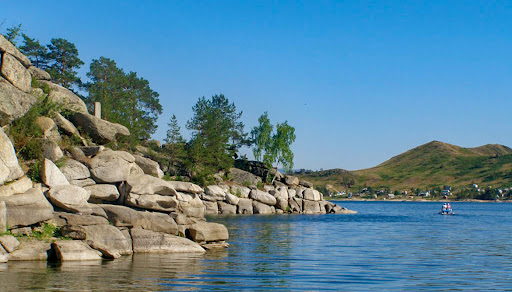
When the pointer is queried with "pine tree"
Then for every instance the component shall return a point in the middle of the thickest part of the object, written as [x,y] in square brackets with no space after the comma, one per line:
[63,61]
[36,52]
[217,134]
[12,33]
[175,147]
[125,98]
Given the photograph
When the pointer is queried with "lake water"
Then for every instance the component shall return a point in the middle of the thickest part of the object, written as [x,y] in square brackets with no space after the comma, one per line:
[387,246]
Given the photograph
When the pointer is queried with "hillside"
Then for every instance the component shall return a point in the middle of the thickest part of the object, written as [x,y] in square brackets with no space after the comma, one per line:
[429,165]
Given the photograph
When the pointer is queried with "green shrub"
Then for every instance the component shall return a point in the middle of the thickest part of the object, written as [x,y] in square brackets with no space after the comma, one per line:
[34,171]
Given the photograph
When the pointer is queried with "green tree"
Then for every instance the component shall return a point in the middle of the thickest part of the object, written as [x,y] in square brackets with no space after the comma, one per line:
[36,52]
[125,98]
[261,136]
[275,148]
[63,60]
[174,147]
[217,134]
[12,33]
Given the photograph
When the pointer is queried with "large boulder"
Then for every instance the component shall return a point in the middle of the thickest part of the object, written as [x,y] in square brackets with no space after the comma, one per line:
[192,207]
[291,180]
[245,206]
[121,216]
[240,191]
[225,208]
[144,184]
[9,243]
[99,130]
[39,74]
[51,150]
[52,176]
[74,170]
[3,217]
[312,195]
[78,220]
[15,72]
[9,168]
[263,197]
[70,198]
[109,167]
[312,207]
[145,241]
[103,192]
[16,187]
[110,237]
[243,177]
[65,125]
[260,208]
[65,97]
[214,193]
[27,209]
[295,206]
[211,208]
[208,232]
[232,199]
[157,222]
[149,166]
[14,103]
[7,47]
[152,202]
[74,250]
[281,195]
[31,250]
[186,187]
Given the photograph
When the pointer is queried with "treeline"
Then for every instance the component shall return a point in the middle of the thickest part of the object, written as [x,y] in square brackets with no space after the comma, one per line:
[216,129]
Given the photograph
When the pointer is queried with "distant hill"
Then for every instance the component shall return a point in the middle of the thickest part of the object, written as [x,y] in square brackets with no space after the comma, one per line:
[429,165]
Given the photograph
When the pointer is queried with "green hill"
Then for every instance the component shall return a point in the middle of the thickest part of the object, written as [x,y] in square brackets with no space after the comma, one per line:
[429,165]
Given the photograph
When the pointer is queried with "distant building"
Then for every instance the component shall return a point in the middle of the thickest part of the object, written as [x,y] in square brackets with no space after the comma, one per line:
[425,194]
[446,193]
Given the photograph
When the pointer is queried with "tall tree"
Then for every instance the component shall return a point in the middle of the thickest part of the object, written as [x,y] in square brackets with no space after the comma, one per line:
[63,61]
[217,134]
[273,147]
[261,136]
[12,33]
[125,98]
[36,52]
[174,147]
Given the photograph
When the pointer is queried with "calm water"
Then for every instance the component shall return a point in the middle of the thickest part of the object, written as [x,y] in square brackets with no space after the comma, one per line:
[387,246]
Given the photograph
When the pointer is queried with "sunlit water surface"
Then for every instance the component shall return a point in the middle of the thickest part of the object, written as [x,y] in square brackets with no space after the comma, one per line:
[387,246]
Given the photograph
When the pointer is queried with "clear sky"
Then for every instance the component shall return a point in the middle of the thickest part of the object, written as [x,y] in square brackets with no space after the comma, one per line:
[361,81]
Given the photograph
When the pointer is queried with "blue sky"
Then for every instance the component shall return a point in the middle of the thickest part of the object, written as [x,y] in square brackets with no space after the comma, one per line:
[361,81]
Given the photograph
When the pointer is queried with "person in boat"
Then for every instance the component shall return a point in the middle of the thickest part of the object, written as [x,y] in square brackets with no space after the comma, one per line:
[444,208]
[448,207]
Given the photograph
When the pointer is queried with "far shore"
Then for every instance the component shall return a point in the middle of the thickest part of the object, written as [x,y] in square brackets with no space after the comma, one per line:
[414,200]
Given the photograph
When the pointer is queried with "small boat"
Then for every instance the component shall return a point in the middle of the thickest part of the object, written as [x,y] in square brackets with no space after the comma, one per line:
[446,210]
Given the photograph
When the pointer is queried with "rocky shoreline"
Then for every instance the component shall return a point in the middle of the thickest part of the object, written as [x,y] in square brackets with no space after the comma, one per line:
[95,202]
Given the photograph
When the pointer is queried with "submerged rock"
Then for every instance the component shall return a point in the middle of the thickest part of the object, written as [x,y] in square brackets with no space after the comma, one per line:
[145,241]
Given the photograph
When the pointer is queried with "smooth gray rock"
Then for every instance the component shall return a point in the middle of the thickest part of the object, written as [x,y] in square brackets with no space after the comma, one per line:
[281,195]
[75,232]
[240,191]
[108,167]
[92,150]
[9,168]
[157,222]
[109,236]
[16,187]
[214,193]
[121,216]
[80,220]
[31,250]
[232,199]
[51,150]
[225,208]
[192,208]
[65,125]
[295,207]
[14,103]
[208,232]
[291,193]
[9,243]
[65,97]
[152,202]
[39,74]
[291,180]
[74,170]
[263,197]
[14,72]
[103,192]
[125,155]
[305,184]
[82,182]
[186,187]
[149,166]
[6,46]
[312,195]
[49,128]
[311,207]
[70,198]
[144,184]
[145,241]
[106,251]
[74,250]
[260,208]
[243,177]
[100,131]
[52,176]
[245,206]
[27,209]
[3,217]
[211,208]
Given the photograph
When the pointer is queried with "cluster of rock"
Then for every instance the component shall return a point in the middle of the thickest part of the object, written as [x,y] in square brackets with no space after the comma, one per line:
[112,203]
[287,194]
